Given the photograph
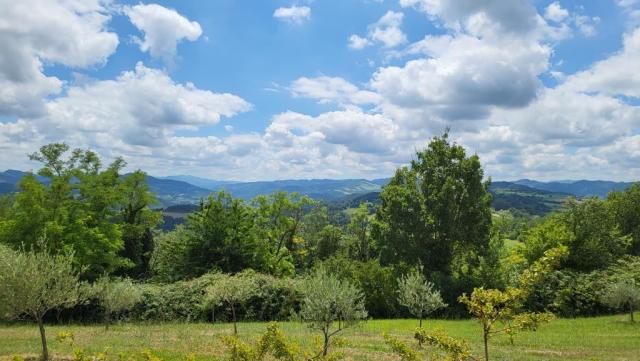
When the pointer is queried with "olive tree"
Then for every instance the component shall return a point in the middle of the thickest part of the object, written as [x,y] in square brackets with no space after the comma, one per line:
[330,304]
[419,295]
[33,283]
[233,290]
[624,294]
[116,296]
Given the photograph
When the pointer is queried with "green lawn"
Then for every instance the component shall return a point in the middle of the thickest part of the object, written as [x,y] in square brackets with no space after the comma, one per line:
[601,338]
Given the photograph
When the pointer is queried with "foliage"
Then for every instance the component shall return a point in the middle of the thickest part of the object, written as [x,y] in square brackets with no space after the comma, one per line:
[116,296]
[418,294]
[361,246]
[454,349]
[232,290]
[279,219]
[623,295]
[274,343]
[435,208]
[625,207]
[330,304]
[34,283]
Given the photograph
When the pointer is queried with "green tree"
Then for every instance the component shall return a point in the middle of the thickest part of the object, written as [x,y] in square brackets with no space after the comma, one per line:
[625,207]
[233,291]
[360,247]
[138,220]
[116,296]
[438,206]
[419,295]
[34,283]
[222,236]
[279,221]
[623,295]
[329,242]
[74,207]
[330,305]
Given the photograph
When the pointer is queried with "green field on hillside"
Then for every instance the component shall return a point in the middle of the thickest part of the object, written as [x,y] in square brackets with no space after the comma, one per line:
[600,338]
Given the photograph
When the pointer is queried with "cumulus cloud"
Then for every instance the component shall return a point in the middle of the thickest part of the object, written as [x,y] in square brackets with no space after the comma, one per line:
[163,29]
[606,77]
[555,12]
[385,31]
[332,89]
[37,32]
[294,14]
[141,107]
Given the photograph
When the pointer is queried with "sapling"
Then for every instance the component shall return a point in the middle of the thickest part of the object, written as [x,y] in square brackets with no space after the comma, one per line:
[419,295]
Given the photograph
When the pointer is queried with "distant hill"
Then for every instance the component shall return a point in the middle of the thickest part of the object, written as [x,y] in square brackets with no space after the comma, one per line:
[205,183]
[527,195]
[580,188]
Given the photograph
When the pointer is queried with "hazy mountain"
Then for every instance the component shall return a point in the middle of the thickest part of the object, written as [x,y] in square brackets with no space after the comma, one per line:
[527,195]
[199,182]
[579,188]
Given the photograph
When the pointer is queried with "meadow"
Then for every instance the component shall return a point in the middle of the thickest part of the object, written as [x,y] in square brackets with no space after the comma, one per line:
[598,338]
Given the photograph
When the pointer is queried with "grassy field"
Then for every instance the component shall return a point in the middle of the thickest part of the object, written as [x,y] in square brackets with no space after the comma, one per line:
[601,338]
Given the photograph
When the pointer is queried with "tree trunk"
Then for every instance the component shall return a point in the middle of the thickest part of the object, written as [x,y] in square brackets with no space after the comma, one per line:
[420,322]
[43,338]
[325,347]
[485,337]
[631,313]
[233,314]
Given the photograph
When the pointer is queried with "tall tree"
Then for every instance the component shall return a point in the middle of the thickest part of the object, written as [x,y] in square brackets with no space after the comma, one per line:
[279,220]
[625,207]
[438,206]
[138,221]
[73,205]
[360,247]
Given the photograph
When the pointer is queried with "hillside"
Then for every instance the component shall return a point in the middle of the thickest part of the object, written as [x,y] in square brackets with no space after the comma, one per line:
[531,196]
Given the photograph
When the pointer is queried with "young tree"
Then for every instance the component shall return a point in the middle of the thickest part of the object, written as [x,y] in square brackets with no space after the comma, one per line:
[419,295]
[232,290]
[494,307]
[360,247]
[33,283]
[624,295]
[116,296]
[330,305]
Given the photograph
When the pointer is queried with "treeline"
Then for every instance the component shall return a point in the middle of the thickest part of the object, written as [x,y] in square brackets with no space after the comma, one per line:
[434,216]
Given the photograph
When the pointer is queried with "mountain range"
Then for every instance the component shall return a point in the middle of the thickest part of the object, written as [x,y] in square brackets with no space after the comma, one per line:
[532,196]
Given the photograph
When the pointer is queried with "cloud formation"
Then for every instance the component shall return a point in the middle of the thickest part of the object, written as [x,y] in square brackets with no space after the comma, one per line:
[163,29]
[294,14]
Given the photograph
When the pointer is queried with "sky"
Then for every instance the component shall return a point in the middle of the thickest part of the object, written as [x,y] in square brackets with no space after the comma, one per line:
[296,89]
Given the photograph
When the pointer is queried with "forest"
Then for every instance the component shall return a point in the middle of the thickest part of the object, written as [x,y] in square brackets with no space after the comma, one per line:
[82,243]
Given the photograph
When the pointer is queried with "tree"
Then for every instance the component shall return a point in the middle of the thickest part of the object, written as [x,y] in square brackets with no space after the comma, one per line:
[329,242]
[232,290]
[623,295]
[438,206]
[222,236]
[492,306]
[418,294]
[138,220]
[116,296]
[360,248]
[33,283]
[330,305]
[625,207]
[279,219]
[73,203]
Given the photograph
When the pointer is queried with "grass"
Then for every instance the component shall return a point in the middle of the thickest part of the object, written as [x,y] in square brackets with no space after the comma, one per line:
[600,338]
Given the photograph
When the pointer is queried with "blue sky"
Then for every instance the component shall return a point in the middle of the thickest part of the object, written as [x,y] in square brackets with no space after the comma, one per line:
[261,89]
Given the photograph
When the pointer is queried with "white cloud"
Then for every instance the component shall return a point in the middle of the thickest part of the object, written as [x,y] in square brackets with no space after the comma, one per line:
[332,89]
[163,29]
[37,32]
[142,108]
[294,15]
[555,12]
[385,31]
[607,76]
[356,42]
